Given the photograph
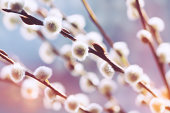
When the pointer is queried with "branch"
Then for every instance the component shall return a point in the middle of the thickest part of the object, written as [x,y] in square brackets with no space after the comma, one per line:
[26,18]
[160,65]
[95,21]
[115,66]
[140,14]
[33,76]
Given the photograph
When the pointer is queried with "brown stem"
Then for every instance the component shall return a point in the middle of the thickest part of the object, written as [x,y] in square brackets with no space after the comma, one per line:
[160,67]
[32,76]
[154,33]
[95,21]
[6,58]
[115,66]
[140,14]
[46,84]
[106,37]
[149,90]
[67,34]
[84,111]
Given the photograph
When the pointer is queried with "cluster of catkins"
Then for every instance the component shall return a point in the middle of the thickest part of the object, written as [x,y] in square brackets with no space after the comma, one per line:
[77,52]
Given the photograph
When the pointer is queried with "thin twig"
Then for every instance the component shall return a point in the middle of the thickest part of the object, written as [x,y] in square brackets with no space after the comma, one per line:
[160,67]
[154,33]
[141,15]
[149,90]
[94,19]
[115,66]
[106,37]
[118,68]
[32,76]
[46,84]
[67,34]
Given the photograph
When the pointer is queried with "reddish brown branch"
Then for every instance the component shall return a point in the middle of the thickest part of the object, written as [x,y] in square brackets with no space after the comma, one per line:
[149,90]
[102,56]
[32,76]
[160,65]
[140,14]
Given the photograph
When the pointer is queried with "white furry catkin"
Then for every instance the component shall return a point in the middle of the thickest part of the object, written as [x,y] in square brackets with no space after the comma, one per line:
[79,50]
[17,73]
[43,73]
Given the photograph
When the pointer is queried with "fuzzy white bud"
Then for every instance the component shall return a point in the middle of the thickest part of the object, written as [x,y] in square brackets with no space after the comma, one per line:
[144,36]
[133,74]
[46,53]
[107,86]
[71,104]
[52,104]
[30,6]
[106,70]
[29,32]
[95,108]
[10,21]
[78,20]
[78,69]
[83,99]
[66,51]
[43,73]
[17,73]
[163,52]
[157,105]
[50,94]
[121,48]
[89,82]
[56,106]
[5,72]
[55,12]
[4,4]
[79,50]
[156,23]
[112,106]
[16,5]
[30,89]
[52,26]
[143,99]
[93,37]
[132,13]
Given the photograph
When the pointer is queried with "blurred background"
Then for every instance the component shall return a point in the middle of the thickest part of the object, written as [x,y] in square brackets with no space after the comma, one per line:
[113,18]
